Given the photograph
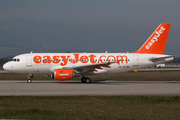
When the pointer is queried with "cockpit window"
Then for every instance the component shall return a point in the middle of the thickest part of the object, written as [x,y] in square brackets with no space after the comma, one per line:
[13,60]
[16,60]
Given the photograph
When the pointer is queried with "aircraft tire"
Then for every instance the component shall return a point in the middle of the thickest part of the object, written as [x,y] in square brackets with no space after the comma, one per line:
[29,81]
[83,79]
[88,80]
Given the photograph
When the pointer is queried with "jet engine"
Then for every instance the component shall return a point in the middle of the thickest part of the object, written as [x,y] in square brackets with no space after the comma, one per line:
[63,74]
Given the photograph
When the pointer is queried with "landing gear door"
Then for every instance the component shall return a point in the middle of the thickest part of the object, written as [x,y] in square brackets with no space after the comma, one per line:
[135,60]
[28,61]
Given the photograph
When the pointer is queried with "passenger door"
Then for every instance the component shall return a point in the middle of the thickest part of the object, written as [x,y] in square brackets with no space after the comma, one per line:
[135,60]
[28,61]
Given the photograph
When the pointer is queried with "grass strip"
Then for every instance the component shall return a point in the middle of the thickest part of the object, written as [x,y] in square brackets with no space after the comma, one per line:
[90,107]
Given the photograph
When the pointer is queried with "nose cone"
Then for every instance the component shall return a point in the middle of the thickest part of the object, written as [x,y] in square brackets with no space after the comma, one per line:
[6,66]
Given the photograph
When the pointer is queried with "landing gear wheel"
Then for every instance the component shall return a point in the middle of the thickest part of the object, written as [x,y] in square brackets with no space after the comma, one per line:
[29,78]
[83,79]
[29,81]
[88,80]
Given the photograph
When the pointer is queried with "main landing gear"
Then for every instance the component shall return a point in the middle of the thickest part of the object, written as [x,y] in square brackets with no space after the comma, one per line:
[29,78]
[85,80]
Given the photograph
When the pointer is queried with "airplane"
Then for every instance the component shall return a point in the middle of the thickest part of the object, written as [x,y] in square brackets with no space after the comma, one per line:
[65,66]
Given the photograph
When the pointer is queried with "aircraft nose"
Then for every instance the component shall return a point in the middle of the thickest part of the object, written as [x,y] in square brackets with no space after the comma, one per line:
[6,66]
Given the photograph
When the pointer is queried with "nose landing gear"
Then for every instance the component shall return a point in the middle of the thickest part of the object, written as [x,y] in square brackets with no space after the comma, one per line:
[29,78]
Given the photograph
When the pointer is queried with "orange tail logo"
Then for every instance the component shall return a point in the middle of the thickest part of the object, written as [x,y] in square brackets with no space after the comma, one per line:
[157,41]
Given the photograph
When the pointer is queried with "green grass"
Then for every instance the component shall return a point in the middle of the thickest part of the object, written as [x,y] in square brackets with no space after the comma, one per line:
[90,107]
[94,107]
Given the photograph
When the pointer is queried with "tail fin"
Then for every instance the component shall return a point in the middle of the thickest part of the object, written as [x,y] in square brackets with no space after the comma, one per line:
[156,43]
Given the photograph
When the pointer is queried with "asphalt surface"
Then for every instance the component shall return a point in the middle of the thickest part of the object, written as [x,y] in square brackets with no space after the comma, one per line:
[105,88]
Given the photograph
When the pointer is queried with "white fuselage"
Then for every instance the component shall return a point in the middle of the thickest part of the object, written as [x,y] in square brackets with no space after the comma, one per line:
[46,63]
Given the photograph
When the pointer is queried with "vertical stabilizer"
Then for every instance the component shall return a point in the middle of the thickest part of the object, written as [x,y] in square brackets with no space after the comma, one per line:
[156,43]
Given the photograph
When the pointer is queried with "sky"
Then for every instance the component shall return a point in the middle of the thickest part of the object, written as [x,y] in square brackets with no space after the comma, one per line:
[85,25]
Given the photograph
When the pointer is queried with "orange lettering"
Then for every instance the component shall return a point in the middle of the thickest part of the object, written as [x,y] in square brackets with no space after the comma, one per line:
[55,59]
[46,59]
[118,61]
[92,58]
[101,58]
[76,56]
[37,59]
[65,60]
[84,59]
[109,57]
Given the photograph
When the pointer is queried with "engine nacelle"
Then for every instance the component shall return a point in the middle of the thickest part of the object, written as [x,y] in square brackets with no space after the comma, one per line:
[63,74]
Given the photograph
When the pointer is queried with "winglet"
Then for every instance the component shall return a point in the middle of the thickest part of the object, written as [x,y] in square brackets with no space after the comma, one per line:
[156,43]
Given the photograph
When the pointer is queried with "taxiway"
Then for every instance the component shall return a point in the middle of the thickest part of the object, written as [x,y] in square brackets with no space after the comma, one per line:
[105,88]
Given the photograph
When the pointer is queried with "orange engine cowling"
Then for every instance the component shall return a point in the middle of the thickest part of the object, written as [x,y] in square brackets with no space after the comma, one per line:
[62,74]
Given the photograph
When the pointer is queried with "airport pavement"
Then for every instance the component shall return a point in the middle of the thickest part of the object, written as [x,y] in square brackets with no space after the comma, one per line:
[105,88]
[160,69]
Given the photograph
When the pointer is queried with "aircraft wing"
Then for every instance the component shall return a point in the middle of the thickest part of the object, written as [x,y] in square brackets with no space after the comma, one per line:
[85,67]
[91,67]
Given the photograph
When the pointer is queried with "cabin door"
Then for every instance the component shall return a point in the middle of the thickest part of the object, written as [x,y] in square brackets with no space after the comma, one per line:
[135,60]
[28,61]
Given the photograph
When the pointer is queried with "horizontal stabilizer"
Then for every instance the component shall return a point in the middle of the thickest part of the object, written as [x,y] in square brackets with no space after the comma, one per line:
[162,59]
